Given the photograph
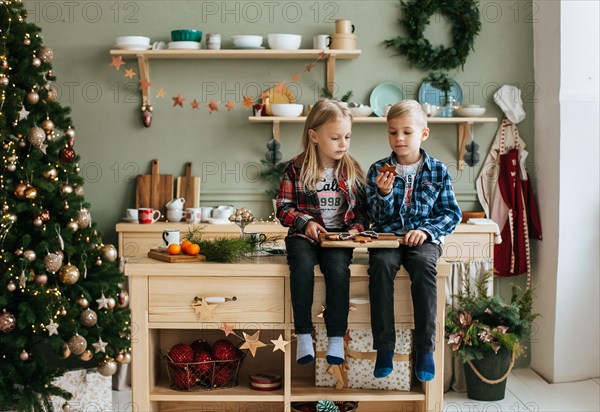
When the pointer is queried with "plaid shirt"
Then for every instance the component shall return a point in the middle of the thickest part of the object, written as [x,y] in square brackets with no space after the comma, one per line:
[433,207]
[297,205]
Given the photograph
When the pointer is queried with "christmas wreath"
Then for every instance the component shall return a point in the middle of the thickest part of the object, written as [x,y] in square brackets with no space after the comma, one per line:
[466,24]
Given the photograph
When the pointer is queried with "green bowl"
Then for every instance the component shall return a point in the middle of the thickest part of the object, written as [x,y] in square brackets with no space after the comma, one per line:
[186,35]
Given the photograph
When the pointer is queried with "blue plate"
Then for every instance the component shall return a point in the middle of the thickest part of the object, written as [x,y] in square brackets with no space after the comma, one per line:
[383,94]
[433,95]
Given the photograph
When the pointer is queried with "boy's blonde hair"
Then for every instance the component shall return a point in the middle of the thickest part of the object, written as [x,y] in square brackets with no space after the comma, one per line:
[325,111]
[408,108]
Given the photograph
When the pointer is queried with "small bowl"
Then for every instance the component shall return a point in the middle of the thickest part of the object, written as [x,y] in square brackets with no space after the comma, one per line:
[284,41]
[472,215]
[186,35]
[286,109]
[469,111]
[133,40]
[361,111]
[247,41]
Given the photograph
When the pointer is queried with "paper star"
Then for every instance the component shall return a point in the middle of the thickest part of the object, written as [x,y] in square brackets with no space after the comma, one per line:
[205,310]
[23,113]
[252,343]
[195,104]
[230,105]
[309,67]
[178,100]
[296,78]
[228,329]
[247,103]
[321,56]
[145,84]
[320,315]
[213,106]
[102,302]
[161,93]
[279,344]
[52,328]
[100,346]
[117,62]
[347,337]
[129,73]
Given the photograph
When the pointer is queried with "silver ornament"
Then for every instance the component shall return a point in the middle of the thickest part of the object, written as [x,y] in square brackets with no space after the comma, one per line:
[19,252]
[36,136]
[111,302]
[69,275]
[11,167]
[11,287]
[109,253]
[84,219]
[73,226]
[70,133]
[107,367]
[53,262]
[88,318]
[29,255]
[66,189]
[36,62]
[37,222]
[24,355]
[77,345]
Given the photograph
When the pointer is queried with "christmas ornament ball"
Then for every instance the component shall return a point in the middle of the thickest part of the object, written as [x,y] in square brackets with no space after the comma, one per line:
[30,193]
[83,302]
[200,345]
[52,262]
[50,174]
[20,190]
[11,167]
[184,379]
[67,154]
[123,299]
[65,352]
[69,275]
[107,367]
[4,81]
[72,226]
[7,322]
[26,41]
[45,215]
[11,287]
[70,133]
[109,253]
[66,407]
[41,279]
[33,97]
[87,355]
[181,353]
[203,363]
[37,222]
[24,355]
[66,189]
[111,302]
[29,255]
[36,136]
[127,357]
[52,94]
[46,54]
[36,62]
[119,358]
[48,125]
[77,345]
[224,350]
[88,318]
[84,219]
[221,376]
[78,190]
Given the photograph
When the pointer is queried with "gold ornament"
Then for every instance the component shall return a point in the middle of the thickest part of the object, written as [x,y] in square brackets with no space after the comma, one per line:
[50,174]
[46,54]
[53,262]
[87,355]
[29,255]
[83,302]
[41,279]
[4,81]
[84,219]
[20,190]
[11,287]
[70,133]
[36,136]
[52,94]
[24,355]
[11,167]
[109,253]
[48,125]
[69,275]
[66,407]
[88,318]
[107,367]
[33,97]
[66,189]
[77,345]
[7,322]
[65,352]
[127,357]
[73,226]
[36,62]
[30,193]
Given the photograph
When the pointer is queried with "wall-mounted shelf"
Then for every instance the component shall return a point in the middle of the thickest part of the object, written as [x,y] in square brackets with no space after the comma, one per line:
[465,125]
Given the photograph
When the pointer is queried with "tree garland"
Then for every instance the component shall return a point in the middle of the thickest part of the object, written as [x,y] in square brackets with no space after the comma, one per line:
[464,16]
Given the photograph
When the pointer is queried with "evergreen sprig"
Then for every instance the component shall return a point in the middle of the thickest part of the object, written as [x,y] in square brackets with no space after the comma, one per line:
[225,249]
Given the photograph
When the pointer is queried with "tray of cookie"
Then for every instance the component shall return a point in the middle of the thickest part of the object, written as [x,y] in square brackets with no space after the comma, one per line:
[366,239]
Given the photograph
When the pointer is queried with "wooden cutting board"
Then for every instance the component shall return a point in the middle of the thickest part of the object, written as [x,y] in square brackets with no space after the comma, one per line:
[188,187]
[385,241]
[154,190]
[165,257]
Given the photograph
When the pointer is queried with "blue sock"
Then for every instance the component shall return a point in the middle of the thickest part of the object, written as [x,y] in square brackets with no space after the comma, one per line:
[335,350]
[384,365]
[425,367]
[305,352]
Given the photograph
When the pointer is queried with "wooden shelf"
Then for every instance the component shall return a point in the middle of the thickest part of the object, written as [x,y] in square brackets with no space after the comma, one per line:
[464,124]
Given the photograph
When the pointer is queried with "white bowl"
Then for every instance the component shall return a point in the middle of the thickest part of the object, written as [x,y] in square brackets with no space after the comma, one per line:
[134,40]
[361,111]
[286,109]
[469,111]
[284,41]
[247,41]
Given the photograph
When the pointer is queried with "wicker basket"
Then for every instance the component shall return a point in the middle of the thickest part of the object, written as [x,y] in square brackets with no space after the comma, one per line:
[203,376]
[344,406]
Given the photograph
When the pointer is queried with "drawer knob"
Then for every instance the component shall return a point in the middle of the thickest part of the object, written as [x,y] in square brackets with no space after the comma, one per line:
[215,299]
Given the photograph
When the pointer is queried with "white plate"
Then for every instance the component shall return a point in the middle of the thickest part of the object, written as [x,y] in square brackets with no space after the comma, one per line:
[220,221]
[184,45]
[130,219]
[162,248]
[133,46]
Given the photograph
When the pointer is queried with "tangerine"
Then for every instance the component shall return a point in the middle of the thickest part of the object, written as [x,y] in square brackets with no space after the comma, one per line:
[185,245]
[174,249]
[193,249]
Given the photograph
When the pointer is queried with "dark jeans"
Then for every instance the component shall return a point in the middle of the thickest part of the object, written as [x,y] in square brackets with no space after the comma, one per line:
[419,262]
[302,257]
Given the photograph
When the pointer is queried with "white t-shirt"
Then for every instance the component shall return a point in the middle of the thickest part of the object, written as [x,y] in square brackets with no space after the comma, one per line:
[331,200]
[409,174]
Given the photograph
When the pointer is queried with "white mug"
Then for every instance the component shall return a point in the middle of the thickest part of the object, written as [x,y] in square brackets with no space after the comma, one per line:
[159,45]
[176,203]
[170,236]
[321,41]
[205,213]
[193,215]
[131,214]
[174,215]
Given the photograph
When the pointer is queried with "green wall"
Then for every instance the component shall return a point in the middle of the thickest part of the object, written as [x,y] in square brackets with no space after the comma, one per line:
[224,147]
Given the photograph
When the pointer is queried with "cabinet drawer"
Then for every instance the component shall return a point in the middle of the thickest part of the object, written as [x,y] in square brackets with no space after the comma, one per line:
[259,299]
[466,246]
[359,288]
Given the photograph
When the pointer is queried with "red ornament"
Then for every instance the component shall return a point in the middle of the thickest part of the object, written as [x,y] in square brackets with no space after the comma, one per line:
[184,379]
[67,154]
[181,353]
[224,350]
[200,345]
[221,376]
[204,369]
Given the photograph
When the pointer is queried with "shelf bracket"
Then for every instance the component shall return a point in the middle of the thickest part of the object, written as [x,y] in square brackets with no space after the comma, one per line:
[276,131]
[144,75]
[464,133]
[331,72]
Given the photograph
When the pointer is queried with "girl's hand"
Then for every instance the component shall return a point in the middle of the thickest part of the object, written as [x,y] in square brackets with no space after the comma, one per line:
[415,238]
[385,183]
[312,230]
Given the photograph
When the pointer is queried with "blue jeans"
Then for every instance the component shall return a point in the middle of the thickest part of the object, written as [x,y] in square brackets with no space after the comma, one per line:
[302,256]
[419,262]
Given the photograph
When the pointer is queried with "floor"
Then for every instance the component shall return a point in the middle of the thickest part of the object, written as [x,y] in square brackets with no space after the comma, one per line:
[525,391]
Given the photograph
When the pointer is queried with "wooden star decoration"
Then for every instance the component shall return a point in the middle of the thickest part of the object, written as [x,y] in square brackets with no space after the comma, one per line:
[195,104]
[279,344]
[227,329]
[247,103]
[145,84]
[100,346]
[252,343]
[117,62]
[229,105]
[161,93]
[204,309]
[388,168]
[296,78]
[213,106]
[129,73]
[52,328]
[178,100]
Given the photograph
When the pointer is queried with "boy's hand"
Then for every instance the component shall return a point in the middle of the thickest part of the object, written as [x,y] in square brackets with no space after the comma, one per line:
[385,183]
[312,230]
[415,238]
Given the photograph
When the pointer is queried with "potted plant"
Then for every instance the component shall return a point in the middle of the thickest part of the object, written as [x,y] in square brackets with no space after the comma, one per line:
[487,334]
[272,172]
[328,94]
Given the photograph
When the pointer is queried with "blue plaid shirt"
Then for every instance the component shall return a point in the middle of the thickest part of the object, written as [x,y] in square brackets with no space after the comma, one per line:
[433,207]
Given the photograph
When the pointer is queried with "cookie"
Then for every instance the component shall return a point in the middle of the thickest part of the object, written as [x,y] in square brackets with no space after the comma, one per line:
[387,168]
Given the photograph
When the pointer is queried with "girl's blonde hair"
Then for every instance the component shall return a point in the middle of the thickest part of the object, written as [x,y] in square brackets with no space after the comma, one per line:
[408,108]
[325,111]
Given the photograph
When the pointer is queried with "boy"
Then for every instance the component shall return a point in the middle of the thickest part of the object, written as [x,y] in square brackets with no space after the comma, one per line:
[413,198]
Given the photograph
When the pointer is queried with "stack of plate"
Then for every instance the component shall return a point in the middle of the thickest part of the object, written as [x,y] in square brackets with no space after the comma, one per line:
[133,43]
[184,45]
[264,382]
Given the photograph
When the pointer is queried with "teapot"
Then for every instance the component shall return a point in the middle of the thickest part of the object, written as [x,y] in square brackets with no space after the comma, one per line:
[222,211]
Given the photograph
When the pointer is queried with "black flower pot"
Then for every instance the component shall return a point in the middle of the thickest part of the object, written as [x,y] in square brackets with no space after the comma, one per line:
[492,367]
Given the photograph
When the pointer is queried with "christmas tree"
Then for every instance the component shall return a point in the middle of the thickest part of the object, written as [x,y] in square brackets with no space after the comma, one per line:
[60,287]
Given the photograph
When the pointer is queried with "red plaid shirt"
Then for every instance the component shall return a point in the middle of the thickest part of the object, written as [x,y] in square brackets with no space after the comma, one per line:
[297,205]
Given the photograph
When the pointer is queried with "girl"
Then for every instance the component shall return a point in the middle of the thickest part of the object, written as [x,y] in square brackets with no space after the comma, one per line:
[322,190]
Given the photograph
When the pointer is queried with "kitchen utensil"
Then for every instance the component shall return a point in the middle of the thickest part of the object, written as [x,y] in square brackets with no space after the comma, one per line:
[186,35]
[289,109]
[205,211]
[213,41]
[223,212]
[154,190]
[321,41]
[147,215]
[361,111]
[247,41]
[184,45]
[343,41]
[188,187]
[469,111]
[193,215]
[170,236]
[133,40]
[176,203]
[165,257]
[384,242]
[131,214]
[279,94]
[284,41]
[344,26]
[383,94]
[433,95]
[174,215]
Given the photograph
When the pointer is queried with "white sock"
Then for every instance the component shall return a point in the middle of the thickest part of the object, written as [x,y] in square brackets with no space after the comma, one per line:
[305,353]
